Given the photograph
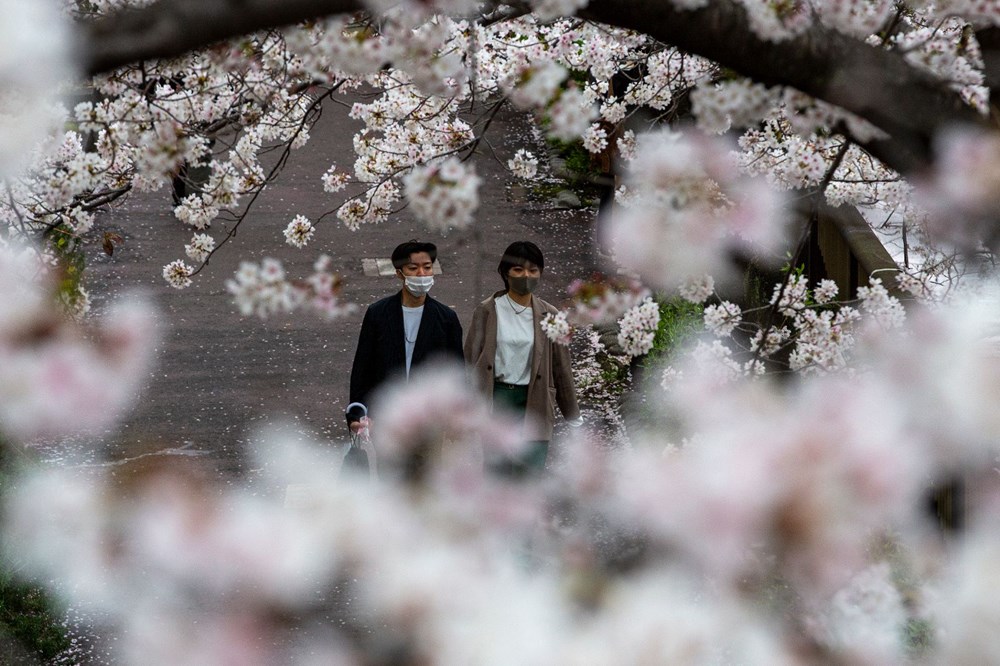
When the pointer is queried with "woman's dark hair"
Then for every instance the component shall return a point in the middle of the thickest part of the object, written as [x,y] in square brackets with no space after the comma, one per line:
[519,253]
[401,255]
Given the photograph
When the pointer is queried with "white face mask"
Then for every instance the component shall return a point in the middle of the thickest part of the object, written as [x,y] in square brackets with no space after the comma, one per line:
[419,285]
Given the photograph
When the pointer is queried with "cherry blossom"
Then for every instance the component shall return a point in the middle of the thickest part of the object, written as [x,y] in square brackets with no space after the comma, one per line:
[524,164]
[697,289]
[638,327]
[557,328]
[722,318]
[333,180]
[964,180]
[444,195]
[770,485]
[299,231]
[690,197]
[34,61]
[595,139]
[264,290]
[89,370]
[177,274]
[200,247]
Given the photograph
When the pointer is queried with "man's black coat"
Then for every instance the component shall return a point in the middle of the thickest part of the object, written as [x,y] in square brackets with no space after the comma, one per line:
[381,350]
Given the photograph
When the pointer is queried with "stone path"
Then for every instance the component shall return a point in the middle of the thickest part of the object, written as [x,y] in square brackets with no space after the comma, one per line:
[220,375]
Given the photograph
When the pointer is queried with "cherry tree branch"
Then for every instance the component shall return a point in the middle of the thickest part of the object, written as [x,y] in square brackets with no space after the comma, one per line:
[286,148]
[171,28]
[871,82]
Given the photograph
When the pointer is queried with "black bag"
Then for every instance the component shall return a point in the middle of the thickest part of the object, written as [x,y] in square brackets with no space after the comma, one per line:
[355,460]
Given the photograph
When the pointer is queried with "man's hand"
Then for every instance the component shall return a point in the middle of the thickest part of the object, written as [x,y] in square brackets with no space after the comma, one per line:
[364,423]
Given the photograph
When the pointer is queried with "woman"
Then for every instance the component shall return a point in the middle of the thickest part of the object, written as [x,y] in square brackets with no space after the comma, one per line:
[514,363]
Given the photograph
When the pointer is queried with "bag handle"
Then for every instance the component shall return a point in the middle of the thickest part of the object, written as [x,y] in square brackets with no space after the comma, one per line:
[357,409]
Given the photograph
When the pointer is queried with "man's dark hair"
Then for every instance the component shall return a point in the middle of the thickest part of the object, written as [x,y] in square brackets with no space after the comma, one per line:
[401,255]
[519,253]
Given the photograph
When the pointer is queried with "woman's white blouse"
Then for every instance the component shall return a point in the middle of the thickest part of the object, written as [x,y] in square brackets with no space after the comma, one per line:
[515,342]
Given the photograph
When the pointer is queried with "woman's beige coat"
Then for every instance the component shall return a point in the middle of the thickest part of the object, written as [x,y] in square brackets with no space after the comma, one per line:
[551,375]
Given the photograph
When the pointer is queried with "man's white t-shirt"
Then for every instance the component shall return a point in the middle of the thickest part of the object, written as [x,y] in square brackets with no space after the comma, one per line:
[411,325]
[515,342]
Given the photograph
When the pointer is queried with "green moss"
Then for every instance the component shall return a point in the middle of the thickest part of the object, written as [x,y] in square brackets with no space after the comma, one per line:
[28,616]
[579,162]
[543,190]
[72,262]
[918,636]
[680,321]
[580,172]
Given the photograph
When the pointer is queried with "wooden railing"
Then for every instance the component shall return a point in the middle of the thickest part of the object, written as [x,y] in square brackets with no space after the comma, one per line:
[844,248]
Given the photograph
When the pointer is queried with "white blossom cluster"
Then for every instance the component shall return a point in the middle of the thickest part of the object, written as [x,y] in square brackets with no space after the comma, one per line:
[806,476]
[626,144]
[690,209]
[323,290]
[529,62]
[866,617]
[374,206]
[524,164]
[600,301]
[965,180]
[534,86]
[938,45]
[334,180]
[737,103]
[35,60]
[47,194]
[195,210]
[823,338]
[818,334]
[404,128]
[637,328]
[570,115]
[880,306]
[299,231]
[59,376]
[595,139]
[557,328]
[722,318]
[697,289]
[178,274]
[776,21]
[200,247]
[858,18]
[444,195]
[262,290]
[265,290]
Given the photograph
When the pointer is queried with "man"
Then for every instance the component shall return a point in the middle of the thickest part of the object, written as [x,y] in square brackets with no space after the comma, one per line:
[403,330]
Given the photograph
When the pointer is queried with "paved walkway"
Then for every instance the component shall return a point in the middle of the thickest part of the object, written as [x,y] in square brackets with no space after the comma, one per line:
[221,375]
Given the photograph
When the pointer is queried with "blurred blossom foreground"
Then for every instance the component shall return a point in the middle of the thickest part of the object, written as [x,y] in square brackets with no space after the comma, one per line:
[59,376]
[756,522]
[773,507]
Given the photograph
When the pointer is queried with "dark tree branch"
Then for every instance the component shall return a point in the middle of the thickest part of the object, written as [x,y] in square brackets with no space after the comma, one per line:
[875,84]
[171,28]
[989,43]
